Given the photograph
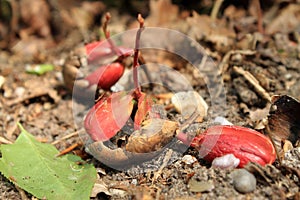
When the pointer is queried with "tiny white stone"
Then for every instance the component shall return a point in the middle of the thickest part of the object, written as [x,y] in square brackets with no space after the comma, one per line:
[19,92]
[134,182]
[222,121]
[188,159]
[228,161]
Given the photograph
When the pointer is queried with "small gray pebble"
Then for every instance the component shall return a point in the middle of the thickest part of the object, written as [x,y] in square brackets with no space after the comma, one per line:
[243,181]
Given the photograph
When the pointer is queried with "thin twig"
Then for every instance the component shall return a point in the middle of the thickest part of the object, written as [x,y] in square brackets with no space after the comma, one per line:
[67,150]
[254,82]
[65,137]
[216,9]
[223,66]
[164,164]
[4,141]
[22,193]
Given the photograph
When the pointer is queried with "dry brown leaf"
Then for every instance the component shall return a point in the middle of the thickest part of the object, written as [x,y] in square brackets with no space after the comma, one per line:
[162,12]
[234,13]
[100,186]
[84,15]
[36,15]
[216,32]
[75,13]
[259,114]
[286,21]
[284,119]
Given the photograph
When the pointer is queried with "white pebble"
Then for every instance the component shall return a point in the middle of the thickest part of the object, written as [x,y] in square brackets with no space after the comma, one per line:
[19,92]
[134,182]
[228,161]
[222,121]
[188,159]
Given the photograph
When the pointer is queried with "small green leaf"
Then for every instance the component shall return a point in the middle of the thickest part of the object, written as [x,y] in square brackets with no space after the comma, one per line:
[39,69]
[34,167]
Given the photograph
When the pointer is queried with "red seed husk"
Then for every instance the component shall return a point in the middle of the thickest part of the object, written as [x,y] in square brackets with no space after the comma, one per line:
[108,116]
[101,51]
[144,106]
[245,144]
[106,76]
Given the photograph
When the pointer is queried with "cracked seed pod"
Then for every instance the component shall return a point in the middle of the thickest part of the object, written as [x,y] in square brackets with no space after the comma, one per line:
[154,134]
[108,116]
[118,158]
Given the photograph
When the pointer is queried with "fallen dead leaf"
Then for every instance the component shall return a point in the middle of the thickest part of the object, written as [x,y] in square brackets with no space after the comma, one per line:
[284,119]
[286,20]
[162,12]
[203,28]
[259,114]
[100,186]
[36,15]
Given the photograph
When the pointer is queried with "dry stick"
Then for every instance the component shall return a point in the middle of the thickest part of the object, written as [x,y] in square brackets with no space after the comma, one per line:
[223,66]
[187,138]
[65,137]
[216,9]
[136,54]
[4,141]
[11,130]
[22,193]
[254,82]
[164,164]
[67,150]
[107,35]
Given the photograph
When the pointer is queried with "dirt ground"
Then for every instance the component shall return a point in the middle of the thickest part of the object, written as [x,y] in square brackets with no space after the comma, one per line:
[244,38]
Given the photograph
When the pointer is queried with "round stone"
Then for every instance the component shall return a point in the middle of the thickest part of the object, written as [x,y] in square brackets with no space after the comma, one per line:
[243,181]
